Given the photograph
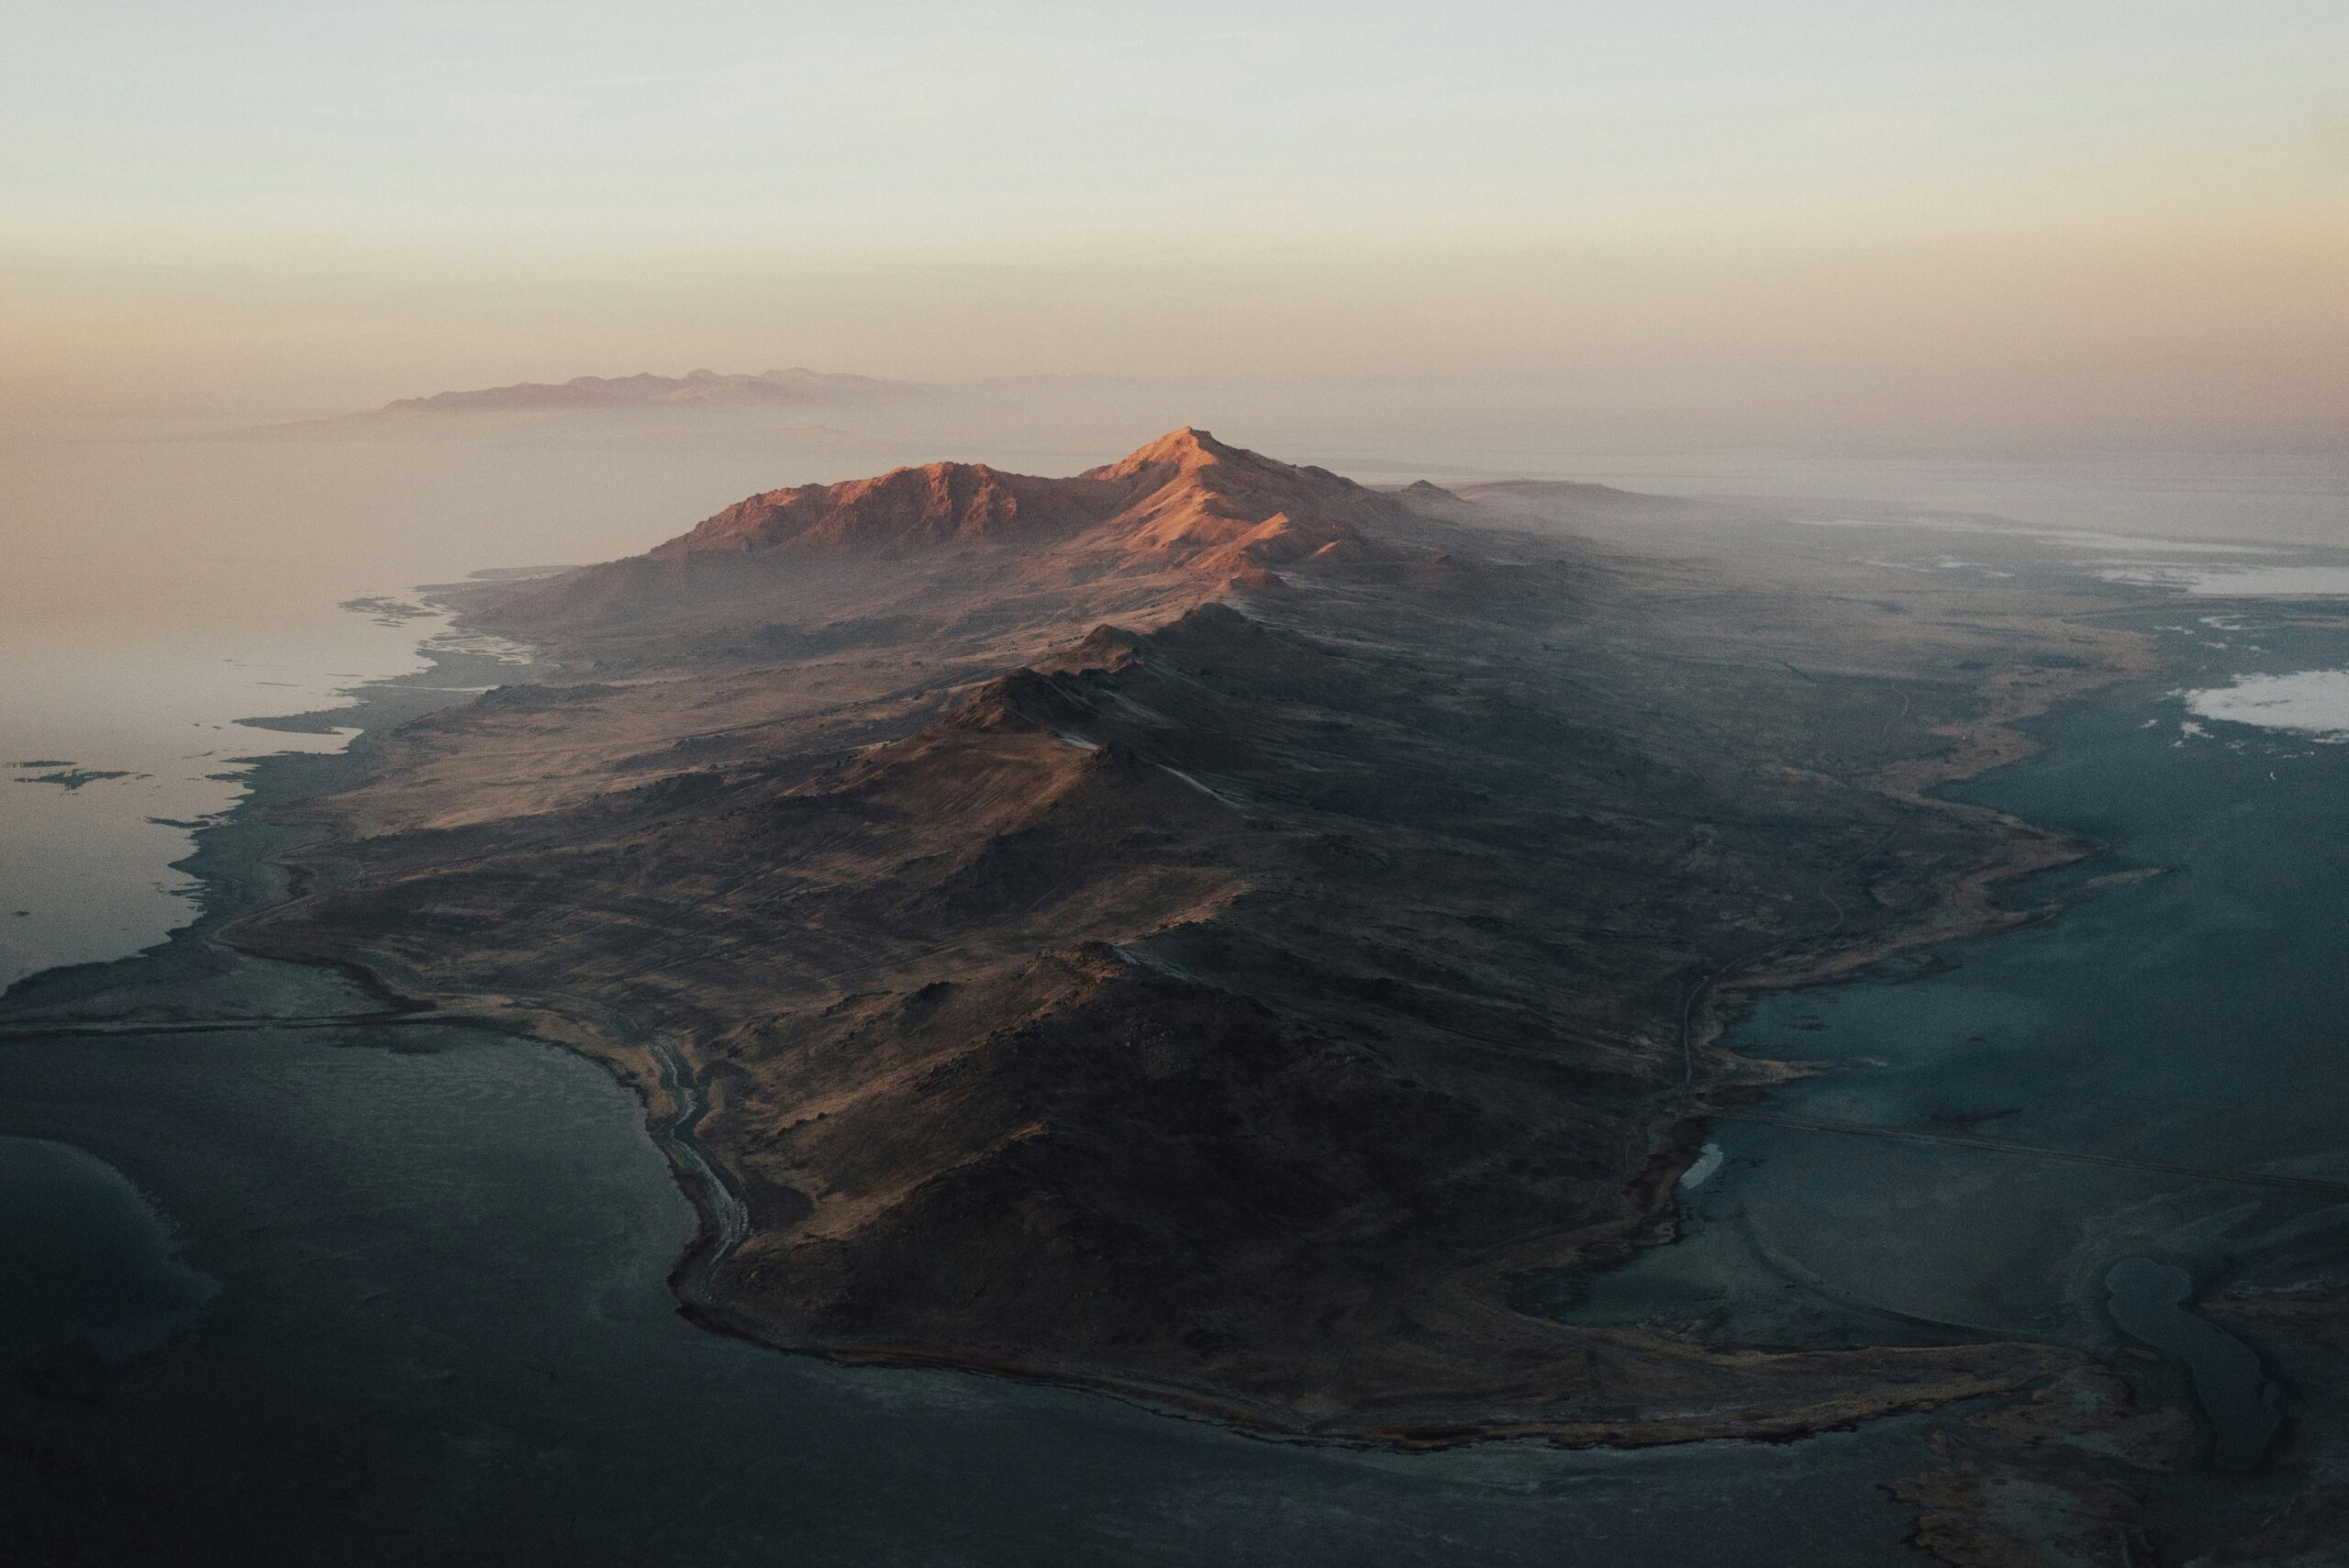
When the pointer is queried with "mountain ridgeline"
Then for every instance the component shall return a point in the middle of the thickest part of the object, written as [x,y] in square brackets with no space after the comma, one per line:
[1186,505]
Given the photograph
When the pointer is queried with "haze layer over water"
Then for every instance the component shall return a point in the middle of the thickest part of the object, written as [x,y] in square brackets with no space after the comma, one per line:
[158,592]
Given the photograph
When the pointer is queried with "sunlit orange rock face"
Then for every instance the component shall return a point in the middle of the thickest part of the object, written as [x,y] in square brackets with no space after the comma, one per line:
[1186,496]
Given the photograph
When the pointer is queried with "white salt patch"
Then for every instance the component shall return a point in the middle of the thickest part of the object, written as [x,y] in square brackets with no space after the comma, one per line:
[2079,539]
[2236,582]
[2310,702]
[1946,563]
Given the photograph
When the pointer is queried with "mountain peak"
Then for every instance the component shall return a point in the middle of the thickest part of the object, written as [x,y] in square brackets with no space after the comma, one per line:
[1187,503]
[1187,448]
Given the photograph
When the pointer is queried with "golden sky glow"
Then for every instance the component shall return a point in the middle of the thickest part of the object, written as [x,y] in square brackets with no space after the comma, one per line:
[2135,216]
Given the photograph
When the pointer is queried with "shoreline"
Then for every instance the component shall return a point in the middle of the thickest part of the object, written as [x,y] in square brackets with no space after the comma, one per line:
[282,805]
[2001,741]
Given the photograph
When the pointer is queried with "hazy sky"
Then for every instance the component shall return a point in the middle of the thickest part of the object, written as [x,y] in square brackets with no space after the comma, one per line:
[2134,214]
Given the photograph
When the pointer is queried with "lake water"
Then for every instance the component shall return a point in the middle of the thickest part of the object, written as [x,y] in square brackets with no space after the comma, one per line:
[2147,1302]
[401,1294]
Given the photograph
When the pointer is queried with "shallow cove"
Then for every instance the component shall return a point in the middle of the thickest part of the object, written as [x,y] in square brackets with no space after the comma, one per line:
[84,1259]
[2148,1302]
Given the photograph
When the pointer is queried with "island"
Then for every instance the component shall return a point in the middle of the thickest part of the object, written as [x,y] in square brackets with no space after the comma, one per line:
[1204,928]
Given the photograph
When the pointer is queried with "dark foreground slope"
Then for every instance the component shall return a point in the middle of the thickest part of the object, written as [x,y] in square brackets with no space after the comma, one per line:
[1198,927]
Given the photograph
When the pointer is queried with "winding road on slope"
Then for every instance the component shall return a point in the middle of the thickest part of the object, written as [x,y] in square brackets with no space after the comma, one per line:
[727,1216]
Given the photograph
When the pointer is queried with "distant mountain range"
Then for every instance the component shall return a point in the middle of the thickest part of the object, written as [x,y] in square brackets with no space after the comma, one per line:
[694,393]
[700,388]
